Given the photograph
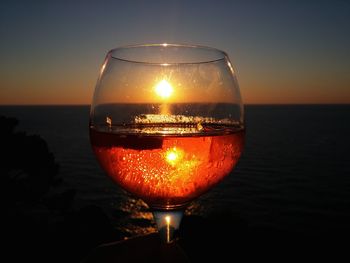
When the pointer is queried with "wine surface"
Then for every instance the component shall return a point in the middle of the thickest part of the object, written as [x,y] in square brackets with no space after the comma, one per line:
[171,168]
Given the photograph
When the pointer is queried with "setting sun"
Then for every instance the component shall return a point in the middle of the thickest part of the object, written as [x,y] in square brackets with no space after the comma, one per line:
[164,89]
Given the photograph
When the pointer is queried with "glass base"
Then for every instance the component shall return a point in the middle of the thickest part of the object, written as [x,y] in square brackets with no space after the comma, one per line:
[168,223]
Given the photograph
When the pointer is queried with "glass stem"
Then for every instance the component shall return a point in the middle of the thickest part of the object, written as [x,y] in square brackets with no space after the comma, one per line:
[168,223]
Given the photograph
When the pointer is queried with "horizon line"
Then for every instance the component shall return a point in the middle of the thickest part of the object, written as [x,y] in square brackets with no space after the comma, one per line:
[246,104]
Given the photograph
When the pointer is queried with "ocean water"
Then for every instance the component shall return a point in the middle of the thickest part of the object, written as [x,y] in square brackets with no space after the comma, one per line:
[294,173]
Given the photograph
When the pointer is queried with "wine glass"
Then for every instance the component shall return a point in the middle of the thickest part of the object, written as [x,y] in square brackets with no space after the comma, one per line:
[166,124]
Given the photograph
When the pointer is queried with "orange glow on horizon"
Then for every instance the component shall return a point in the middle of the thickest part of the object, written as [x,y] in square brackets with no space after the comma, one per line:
[24,91]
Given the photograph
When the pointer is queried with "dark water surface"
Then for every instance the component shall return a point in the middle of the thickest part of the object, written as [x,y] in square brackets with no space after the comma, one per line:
[294,174]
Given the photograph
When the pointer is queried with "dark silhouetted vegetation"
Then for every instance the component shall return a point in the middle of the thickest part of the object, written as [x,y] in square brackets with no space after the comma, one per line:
[39,222]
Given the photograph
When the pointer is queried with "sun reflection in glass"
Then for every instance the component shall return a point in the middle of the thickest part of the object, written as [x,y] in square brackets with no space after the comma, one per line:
[167,220]
[173,156]
[163,89]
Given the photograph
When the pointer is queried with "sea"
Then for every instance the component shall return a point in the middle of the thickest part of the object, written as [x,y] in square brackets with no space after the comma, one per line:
[294,174]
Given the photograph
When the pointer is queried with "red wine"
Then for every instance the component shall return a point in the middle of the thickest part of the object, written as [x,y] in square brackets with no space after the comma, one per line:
[167,169]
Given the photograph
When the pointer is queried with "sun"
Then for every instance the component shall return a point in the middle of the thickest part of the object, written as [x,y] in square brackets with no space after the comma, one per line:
[164,89]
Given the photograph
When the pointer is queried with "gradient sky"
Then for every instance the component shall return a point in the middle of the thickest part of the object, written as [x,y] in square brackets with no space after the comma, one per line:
[283,51]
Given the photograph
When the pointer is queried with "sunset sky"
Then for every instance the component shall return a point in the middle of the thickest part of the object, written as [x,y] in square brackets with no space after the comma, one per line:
[283,51]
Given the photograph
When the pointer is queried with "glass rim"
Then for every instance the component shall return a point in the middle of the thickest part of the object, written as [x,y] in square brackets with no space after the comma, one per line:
[221,55]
